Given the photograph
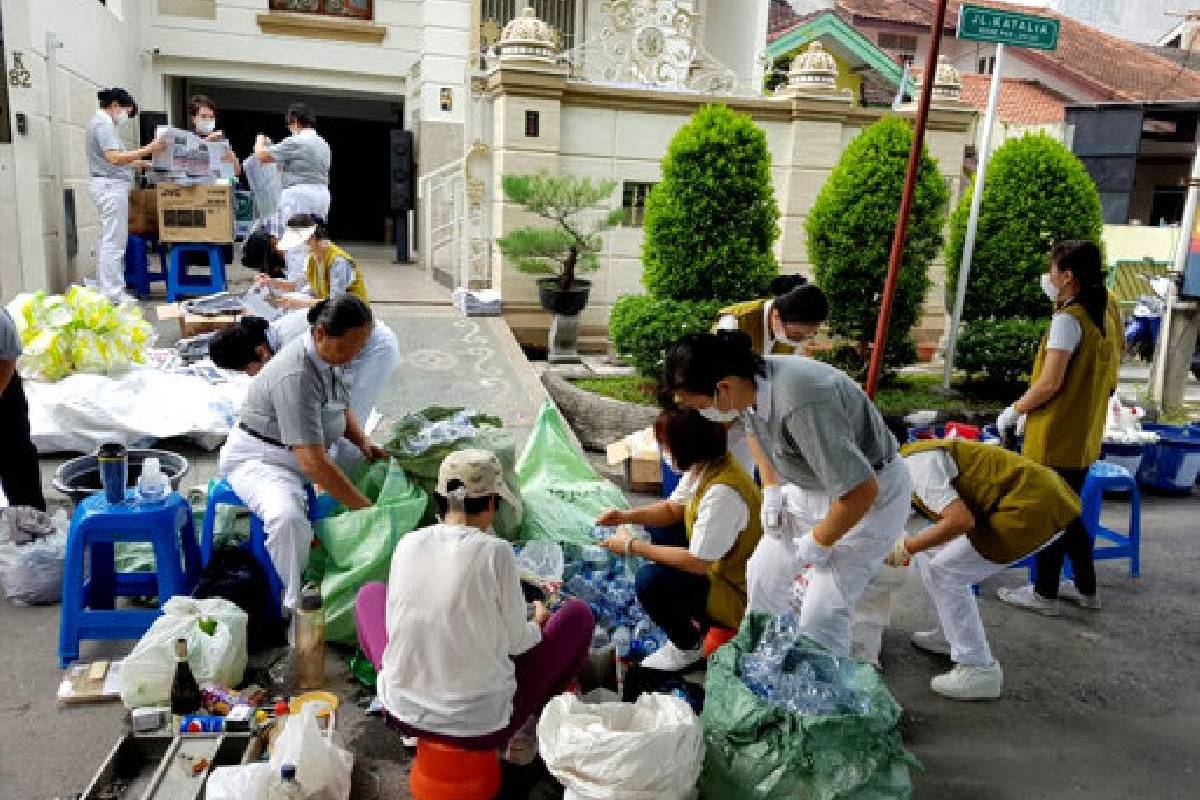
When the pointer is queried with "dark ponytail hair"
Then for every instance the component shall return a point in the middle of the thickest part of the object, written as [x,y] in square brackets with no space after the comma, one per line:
[341,314]
[237,347]
[804,304]
[782,284]
[117,95]
[300,114]
[1082,260]
[698,361]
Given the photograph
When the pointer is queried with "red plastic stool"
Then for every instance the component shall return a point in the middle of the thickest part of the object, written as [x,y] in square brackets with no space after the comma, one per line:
[715,638]
[443,772]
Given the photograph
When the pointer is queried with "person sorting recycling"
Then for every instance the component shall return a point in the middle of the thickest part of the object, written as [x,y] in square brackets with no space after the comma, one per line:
[811,426]
[688,589]
[20,475]
[1065,408]
[460,659]
[328,269]
[990,508]
[111,167]
[295,410]
[304,160]
[202,112]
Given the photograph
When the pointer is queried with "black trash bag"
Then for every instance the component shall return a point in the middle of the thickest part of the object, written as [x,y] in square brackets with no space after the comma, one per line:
[235,575]
[259,253]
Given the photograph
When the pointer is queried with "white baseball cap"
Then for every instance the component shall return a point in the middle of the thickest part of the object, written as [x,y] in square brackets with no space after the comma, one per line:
[296,237]
[480,473]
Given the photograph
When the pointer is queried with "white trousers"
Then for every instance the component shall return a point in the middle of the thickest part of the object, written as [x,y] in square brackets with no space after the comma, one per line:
[834,588]
[270,483]
[111,196]
[303,198]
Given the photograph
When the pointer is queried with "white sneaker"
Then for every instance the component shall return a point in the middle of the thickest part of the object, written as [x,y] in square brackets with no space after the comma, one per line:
[670,658]
[931,641]
[970,683]
[1069,592]
[1025,597]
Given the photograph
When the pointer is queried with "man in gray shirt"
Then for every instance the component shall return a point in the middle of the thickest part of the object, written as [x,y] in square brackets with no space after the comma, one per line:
[20,474]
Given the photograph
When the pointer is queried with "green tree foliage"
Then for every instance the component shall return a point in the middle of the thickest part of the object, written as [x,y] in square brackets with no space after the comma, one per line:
[850,231]
[1000,351]
[573,243]
[643,328]
[1037,193]
[712,220]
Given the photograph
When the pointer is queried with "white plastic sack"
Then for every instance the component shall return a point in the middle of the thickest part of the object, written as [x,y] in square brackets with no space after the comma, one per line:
[322,768]
[649,750]
[32,573]
[245,782]
[542,559]
[221,657]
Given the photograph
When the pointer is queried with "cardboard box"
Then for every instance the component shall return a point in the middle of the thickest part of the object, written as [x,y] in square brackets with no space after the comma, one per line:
[202,213]
[196,324]
[143,212]
[642,460]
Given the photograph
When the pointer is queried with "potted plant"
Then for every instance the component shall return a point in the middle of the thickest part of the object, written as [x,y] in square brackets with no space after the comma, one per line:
[569,246]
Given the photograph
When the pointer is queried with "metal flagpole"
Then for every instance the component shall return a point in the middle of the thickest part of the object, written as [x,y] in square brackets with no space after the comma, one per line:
[964,270]
[906,200]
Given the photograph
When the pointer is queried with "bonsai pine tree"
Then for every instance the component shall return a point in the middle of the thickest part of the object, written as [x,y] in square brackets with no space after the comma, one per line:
[572,243]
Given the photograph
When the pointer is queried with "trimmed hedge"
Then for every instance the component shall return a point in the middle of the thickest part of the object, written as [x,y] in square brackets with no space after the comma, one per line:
[643,328]
[1000,351]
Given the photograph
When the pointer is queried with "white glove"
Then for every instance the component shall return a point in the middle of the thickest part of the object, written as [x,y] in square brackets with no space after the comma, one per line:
[771,512]
[808,551]
[1008,419]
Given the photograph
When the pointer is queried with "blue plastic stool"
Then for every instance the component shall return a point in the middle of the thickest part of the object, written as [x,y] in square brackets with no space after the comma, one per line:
[88,605]
[179,282]
[221,493]
[137,264]
[1105,477]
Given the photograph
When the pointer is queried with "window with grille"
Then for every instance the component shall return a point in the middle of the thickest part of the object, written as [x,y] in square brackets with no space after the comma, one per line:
[633,200]
[987,65]
[354,9]
[902,44]
[559,14]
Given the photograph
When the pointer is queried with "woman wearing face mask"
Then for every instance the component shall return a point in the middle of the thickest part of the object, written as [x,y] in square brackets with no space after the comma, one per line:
[304,160]
[296,409]
[1065,407]
[111,167]
[202,111]
[811,426]
[783,323]
[687,589]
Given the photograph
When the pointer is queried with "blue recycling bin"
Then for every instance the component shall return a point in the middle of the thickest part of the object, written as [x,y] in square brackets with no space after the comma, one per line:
[1126,454]
[1172,464]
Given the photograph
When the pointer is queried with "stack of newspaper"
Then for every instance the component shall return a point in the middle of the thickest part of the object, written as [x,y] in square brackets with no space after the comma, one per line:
[481,303]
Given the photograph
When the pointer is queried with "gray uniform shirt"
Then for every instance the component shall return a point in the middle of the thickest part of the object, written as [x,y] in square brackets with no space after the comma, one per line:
[101,136]
[820,429]
[10,340]
[302,158]
[298,399]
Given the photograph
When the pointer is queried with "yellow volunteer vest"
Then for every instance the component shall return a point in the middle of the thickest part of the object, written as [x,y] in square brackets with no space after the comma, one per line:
[752,321]
[318,275]
[727,575]
[1019,505]
[1066,431]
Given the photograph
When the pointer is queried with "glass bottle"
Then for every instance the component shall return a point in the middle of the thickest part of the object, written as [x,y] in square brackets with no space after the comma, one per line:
[185,692]
[310,639]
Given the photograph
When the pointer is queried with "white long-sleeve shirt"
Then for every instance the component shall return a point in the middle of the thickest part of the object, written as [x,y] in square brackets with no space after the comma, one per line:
[455,617]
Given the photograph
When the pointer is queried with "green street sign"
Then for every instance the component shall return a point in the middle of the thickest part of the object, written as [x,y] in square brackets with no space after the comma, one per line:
[980,24]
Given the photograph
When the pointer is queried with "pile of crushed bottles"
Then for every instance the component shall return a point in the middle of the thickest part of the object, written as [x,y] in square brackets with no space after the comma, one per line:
[442,432]
[802,681]
[606,583]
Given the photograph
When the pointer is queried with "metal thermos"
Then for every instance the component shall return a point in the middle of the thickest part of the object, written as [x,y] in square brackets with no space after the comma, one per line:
[113,460]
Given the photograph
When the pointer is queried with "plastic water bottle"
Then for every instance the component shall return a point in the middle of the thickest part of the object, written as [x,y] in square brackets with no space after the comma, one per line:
[152,484]
[599,638]
[286,787]
[622,640]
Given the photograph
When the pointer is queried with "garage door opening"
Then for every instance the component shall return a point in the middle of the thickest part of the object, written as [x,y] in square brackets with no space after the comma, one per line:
[357,128]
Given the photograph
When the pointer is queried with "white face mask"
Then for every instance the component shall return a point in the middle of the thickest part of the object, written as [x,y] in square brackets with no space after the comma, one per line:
[205,126]
[1048,288]
[714,414]
[122,116]
[782,337]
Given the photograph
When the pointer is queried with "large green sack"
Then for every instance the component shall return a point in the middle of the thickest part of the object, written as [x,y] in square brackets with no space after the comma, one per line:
[563,495]
[755,751]
[356,546]
[423,467]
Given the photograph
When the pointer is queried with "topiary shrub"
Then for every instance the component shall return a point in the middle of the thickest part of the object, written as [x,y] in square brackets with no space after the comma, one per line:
[1000,351]
[1037,193]
[850,231]
[643,328]
[710,223]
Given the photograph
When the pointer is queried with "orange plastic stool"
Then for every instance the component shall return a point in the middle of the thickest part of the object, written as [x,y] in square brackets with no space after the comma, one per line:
[444,772]
[715,638]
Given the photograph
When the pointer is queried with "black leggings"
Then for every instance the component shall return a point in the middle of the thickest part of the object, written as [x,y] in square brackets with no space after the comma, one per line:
[1074,543]
[19,470]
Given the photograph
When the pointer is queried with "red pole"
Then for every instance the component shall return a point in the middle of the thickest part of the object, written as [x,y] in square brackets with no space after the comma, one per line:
[910,185]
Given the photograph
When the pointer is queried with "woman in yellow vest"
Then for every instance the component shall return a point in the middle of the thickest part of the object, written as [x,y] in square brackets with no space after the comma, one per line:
[1065,408]
[990,508]
[329,271]
[688,589]
[783,323]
